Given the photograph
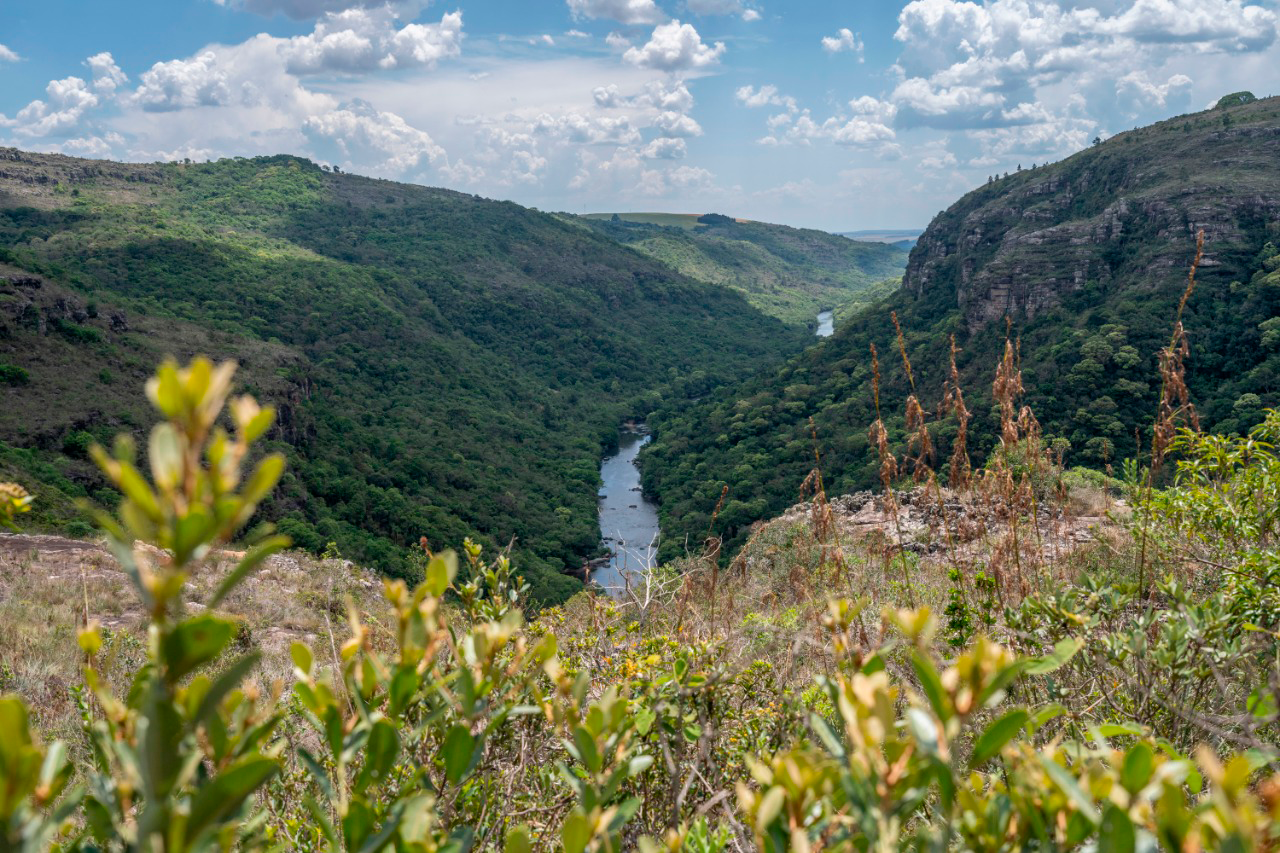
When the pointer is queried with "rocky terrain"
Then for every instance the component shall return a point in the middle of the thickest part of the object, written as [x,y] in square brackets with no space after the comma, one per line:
[1020,243]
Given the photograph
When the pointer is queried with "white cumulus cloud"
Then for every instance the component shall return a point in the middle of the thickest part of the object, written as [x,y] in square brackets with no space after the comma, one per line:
[970,65]
[362,39]
[587,129]
[671,123]
[765,96]
[107,76]
[184,83]
[7,55]
[369,137]
[67,102]
[675,47]
[664,148]
[844,39]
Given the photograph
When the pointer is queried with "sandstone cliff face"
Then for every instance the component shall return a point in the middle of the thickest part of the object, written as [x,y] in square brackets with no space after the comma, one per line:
[1121,214]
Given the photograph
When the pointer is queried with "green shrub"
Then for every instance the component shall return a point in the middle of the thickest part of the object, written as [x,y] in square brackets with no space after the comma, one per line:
[77,444]
[13,375]
[79,530]
[1236,99]
[75,333]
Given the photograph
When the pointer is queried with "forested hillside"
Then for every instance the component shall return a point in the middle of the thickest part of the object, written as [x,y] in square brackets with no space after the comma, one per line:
[791,273]
[443,364]
[1088,258]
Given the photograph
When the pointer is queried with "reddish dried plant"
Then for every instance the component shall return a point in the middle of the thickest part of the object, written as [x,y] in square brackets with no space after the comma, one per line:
[1006,389]
[918,441]
[879,436]
[1175,402]
[953,403]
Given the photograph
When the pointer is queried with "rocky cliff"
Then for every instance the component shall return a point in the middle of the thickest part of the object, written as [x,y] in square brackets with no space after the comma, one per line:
[1127,208]
[1088,258]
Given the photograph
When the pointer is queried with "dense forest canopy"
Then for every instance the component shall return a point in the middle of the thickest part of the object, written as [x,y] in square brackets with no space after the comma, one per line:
[444,364]
[790,273]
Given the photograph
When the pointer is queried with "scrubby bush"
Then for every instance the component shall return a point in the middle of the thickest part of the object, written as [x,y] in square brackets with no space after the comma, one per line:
[13,375]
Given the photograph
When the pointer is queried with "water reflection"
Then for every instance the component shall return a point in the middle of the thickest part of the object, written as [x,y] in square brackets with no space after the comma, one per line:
[826,324]
[628,522]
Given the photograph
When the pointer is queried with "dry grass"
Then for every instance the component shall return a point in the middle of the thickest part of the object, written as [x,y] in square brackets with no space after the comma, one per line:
[50,586]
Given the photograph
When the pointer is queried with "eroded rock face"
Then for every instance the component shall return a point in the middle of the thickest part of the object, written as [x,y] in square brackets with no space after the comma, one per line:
[51,181]
[1127,211]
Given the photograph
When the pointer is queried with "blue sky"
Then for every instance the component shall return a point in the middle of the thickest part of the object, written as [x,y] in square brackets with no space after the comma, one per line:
[835,115]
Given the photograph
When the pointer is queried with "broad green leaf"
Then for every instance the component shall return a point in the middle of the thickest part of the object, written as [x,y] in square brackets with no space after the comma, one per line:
[833,743]
[1068,786]
[1045,715]
[358,824]
[380,754]
[931,683]
[164,451]
[385,834]
[135,488]
[996,735]
[1138,764]
[441,571]
[1260,758]
[638,764]
[461,840]
[1110,730]
[993,690]
[1262,703]
[586,747]
[457,749]
[1116,834]
[15,730]
[227,681]
[227,792]
[253,428]
[55,770]
[195,642]
[263,479]
[924,729]
[302,657]
[251,560]
[575,833]
[1063,651]
[518,840]
[769,808]
[623,813]
[317,772]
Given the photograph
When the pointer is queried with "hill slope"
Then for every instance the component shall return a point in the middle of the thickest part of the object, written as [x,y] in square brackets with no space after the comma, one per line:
[790,273]
[444,364]
[1088,257]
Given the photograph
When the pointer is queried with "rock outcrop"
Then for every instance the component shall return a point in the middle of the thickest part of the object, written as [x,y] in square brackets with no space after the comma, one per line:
[1128,208]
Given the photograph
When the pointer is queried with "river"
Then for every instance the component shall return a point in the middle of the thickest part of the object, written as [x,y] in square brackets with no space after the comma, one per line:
[826,324]
[628,522]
